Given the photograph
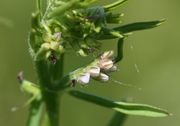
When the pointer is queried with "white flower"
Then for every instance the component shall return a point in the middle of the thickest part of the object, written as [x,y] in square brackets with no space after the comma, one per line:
[112,69]
[103,77]
[107,55]
[94,71]
[106,64]
[84,78]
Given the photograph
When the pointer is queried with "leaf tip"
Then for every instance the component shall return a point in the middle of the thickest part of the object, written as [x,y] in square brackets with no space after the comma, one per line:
[160,22]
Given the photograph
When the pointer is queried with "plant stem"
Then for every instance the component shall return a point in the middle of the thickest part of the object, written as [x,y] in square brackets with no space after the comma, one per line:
[48,74]
[35,113]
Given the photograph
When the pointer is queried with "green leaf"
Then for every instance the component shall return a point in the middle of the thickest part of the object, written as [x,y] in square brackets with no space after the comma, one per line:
[138,26]
[125,29]
[123,107]
[113,5]
[118,119]
[119,50]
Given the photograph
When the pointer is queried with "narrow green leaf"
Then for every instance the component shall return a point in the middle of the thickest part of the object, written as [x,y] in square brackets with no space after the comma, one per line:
[128,28]
[123,107]
[113,5]
[138,26]
[118,119]
[119,50]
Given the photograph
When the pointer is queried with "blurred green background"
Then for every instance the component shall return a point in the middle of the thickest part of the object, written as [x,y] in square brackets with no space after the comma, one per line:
[155,52]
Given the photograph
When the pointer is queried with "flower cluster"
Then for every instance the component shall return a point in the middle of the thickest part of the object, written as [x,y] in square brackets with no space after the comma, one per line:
[97,70]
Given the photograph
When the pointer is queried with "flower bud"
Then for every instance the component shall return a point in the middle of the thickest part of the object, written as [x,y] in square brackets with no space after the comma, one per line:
[94,71]
[61,49]
[107,55]
[54,45]
[84,78]
[112,69]
[45,46]
[106,64]
[103,77]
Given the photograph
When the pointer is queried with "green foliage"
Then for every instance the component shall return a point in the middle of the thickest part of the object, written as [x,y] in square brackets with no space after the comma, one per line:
[61,25]
[123,107]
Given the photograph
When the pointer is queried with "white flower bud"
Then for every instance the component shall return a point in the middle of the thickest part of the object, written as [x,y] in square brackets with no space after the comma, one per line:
[112,69]
[84,78]
[103,77]
[94,71]
[106,64]
[107,55]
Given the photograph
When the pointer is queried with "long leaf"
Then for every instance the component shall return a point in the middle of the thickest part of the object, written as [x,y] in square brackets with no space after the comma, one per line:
[138,26]
[118,119]
[123,107]
[128,28]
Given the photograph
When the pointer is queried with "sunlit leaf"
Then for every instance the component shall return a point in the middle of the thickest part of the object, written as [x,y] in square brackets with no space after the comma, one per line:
[123,107]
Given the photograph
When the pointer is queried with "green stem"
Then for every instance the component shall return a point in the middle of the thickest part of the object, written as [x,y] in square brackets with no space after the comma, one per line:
[48,74]
[35,113]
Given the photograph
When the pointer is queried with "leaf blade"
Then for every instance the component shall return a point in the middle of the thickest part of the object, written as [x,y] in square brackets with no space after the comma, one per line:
[138,26]
[123,107]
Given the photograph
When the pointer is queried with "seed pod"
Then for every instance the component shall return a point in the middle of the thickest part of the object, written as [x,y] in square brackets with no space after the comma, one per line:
[84,78]
[94,71]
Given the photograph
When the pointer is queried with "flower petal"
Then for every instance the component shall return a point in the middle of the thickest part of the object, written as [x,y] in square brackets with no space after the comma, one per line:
[107,55]
[84,78]
[106,64]
[103,77]
[94,71]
